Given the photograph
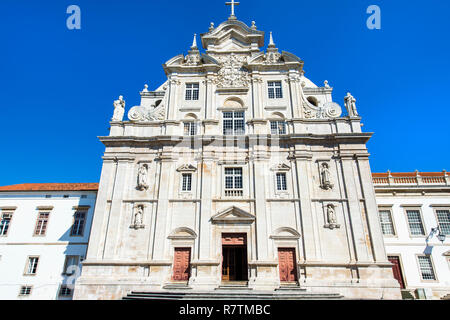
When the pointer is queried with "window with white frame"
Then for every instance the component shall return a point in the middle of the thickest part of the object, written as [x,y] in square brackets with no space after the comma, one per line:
[387,227]
[78,223]
[5,223]
[415,222]
[65,291]
[190,128]
[443,217]
[278,127]
[233,123]
[32,265]
[281,181]
[233,182]
[41,224]
[71,264]
[192,91]
[274,90]
[187,182]
[426,268]
[25,290]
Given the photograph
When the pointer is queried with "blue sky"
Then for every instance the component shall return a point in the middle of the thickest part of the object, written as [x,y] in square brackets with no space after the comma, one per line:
[57,85]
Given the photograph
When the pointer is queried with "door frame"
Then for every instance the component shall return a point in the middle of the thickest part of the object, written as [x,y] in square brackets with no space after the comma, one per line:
[402,269]
[244,245]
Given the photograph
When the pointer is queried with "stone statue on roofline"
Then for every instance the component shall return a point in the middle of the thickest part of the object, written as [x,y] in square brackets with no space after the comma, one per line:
[119,109]
[350,104]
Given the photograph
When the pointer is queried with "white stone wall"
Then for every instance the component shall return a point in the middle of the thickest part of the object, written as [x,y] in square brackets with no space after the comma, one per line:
[20,242]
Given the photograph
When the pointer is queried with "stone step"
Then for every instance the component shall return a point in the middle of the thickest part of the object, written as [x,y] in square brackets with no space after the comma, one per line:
[261,295]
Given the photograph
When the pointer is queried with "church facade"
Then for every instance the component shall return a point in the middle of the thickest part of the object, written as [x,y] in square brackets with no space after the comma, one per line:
[237,172]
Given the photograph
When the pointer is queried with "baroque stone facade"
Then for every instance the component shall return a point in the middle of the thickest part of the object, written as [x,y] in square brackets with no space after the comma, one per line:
[237,170]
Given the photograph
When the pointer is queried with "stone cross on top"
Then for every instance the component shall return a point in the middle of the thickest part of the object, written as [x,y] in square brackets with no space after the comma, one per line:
[232,4]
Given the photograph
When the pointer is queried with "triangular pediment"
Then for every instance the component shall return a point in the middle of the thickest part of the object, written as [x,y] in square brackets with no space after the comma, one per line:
[233,215]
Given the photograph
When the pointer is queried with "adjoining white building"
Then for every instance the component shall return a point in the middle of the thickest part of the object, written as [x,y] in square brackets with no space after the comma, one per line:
[410,206]
[44,232]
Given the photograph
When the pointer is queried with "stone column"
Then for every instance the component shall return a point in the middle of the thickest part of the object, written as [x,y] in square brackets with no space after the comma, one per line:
[354,209]
[374,227]
[302,162]
[115,222]
[102,209]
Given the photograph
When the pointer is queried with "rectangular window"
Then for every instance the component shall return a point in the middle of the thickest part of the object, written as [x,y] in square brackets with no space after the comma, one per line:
[387,226]
[41,224]
[65,291]
[71,264]
[233,123]
[192,90]
[275,91]
[78,223]
[187,182]
[426,268]
[277,127]
[25,291]
[233,182]
[415,222]
[4,223]
[32,265]
[190,128]
[281,182]
[443,217]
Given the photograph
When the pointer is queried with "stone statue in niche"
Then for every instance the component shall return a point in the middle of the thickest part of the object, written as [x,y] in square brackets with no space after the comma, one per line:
[325,177]
[138,217]
[331,217]
[350,104]
[119,109]
[142,177]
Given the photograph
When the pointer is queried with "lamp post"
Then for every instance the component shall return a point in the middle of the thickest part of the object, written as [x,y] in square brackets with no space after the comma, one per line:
[440,235]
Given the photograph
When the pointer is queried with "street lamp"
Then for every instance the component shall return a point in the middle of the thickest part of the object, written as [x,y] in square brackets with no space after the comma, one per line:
[440,236]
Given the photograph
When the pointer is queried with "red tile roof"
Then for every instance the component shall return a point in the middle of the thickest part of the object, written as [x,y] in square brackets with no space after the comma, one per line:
[51,187]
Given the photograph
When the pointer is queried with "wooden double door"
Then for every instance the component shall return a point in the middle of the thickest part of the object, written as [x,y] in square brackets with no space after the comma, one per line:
[182,265]
[287,264]
[234,257]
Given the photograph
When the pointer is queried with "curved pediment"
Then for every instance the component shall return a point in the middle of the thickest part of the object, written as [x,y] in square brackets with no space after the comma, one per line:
[183,233]
[233,215]
[285,233]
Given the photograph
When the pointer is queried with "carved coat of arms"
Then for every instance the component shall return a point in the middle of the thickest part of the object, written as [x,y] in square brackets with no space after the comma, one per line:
[232,74]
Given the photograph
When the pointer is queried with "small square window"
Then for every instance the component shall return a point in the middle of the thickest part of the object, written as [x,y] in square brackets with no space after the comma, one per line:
[65,291]
[190,128]
[25,290]
[274,90]
[192,91]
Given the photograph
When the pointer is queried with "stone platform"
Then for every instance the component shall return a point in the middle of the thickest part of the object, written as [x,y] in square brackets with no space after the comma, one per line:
[229,294]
